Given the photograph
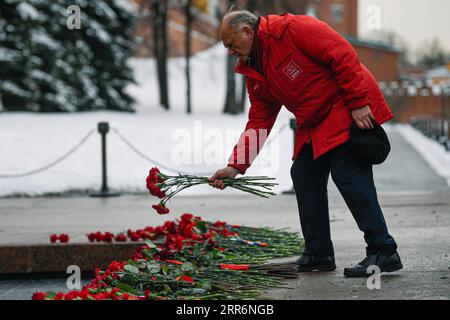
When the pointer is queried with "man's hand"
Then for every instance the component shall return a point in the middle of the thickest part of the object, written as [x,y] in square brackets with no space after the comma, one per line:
[363,118]
[227,172]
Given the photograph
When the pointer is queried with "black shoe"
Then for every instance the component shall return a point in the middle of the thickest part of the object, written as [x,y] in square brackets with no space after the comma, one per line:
[386,261]
[307,263]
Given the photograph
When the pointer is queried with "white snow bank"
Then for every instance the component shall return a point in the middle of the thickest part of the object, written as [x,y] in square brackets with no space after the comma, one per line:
[433,152]
[29,141]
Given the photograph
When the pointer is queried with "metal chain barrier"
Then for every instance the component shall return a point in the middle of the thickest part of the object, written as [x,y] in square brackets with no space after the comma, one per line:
[146,158]
[128,143]
[161,166]
[53,163]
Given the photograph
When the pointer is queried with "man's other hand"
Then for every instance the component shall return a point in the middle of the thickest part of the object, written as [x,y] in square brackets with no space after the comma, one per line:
[363,118]
[227,172]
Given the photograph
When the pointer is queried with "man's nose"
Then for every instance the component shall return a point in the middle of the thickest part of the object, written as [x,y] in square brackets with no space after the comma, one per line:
[230,52]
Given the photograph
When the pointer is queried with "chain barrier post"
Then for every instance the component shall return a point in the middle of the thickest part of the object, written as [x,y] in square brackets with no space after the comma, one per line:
[293,125]
[103,129]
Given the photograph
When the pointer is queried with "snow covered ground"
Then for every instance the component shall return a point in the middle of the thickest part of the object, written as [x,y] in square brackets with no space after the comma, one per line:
[433,152]
[198,143]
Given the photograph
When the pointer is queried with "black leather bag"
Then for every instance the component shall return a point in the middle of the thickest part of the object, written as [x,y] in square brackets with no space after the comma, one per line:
[370,146]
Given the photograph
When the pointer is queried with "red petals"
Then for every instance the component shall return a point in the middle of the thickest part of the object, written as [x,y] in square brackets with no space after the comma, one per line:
[63,238]
[161,208]
[155,176]
[237,267]
[154,182]
[155,185]
[174,261]
[220,224]
[38,296]
[187,217]
[134,236]
[85,294]
[185,278]
[92,237]
[59,296]
[53,238]
[106,237]
[120,238]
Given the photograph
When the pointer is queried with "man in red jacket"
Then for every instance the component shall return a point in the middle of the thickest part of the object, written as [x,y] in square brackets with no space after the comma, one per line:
[301,63]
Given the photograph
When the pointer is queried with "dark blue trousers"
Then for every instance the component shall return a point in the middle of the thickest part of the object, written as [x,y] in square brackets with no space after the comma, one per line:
[355,183]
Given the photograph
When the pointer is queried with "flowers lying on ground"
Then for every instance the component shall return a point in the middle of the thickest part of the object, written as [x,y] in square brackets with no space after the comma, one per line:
[193,259]
[165,187]
[63,238]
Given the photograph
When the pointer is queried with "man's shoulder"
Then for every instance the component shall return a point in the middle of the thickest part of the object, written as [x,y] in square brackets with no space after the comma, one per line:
[276,25]
[288,18]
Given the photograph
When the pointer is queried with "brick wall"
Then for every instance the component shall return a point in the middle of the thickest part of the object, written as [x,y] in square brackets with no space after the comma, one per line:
[349,23]
[382,64]
[407,101]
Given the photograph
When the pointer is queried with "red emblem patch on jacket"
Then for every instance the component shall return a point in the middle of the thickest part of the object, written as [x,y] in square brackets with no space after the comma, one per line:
[292,70]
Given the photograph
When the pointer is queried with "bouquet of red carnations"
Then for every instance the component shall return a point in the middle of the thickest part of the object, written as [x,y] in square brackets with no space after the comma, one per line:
[165,187]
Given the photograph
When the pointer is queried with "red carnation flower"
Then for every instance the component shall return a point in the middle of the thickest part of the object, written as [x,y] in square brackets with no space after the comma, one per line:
[187,232]
[98,236]
[38,296]
[187,217]
[120,238]
[220,224]
[134,236]
[154,176]
[114,291]
[155,190]
[161,208]
[91,236]
[108,237]
[64,238]
[185,278]
[159,231]
[53,238]
[59,296]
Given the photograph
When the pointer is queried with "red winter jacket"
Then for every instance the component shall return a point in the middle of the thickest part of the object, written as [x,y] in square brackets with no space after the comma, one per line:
[316,74]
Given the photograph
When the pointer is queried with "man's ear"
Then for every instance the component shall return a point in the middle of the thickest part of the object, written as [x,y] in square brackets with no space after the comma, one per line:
[248,31]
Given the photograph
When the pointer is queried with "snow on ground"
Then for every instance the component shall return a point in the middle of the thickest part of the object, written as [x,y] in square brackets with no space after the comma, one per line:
[433,152]
[198,143]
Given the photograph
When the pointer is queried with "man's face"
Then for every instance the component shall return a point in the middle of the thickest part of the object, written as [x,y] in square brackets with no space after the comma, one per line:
[238,41]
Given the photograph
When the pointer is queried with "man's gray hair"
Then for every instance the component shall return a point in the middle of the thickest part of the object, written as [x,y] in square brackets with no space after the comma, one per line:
[239,17]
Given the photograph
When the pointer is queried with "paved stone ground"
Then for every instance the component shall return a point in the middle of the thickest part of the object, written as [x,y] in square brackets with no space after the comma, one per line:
[416,203]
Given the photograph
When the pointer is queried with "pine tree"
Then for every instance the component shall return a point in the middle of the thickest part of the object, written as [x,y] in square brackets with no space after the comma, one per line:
[15,20]
[47,67]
